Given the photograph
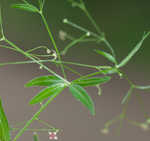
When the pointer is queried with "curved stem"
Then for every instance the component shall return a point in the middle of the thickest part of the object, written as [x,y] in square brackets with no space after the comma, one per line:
[53,41]
[30,57]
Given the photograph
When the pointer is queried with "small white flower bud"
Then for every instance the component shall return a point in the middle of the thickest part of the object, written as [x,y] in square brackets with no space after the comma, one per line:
[88,34]
[41,67]
[65,20]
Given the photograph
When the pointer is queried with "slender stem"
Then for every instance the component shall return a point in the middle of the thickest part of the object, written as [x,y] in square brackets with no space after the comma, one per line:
[92,21]
[73,43]
[100,38]
[45,61]
[29,56]
[33,130]
[34,117]
[53,41]
[140,101]
[45,123]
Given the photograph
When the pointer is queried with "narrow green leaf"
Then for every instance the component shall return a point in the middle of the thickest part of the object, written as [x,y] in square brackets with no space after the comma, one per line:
[80,94]
[106,55]
[143,87]
[4,127]
[47,92]
[43,81]
[92,81]
[127,96]
[132,53]
[109,71]
[26,7]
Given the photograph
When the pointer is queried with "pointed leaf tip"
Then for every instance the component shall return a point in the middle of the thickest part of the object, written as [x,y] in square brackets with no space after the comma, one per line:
[80,94]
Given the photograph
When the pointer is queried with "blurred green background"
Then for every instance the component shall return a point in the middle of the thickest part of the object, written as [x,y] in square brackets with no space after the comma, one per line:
[123,22]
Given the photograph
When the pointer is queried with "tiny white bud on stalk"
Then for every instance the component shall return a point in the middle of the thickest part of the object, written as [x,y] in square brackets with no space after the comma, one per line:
[65,20]
[41,67]
[88,34]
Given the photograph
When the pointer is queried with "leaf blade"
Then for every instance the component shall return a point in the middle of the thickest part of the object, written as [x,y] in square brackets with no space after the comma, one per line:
[26,7]
[92,81]
[47,92]
[106,55]
[132,53]
[43,81]
[80,94]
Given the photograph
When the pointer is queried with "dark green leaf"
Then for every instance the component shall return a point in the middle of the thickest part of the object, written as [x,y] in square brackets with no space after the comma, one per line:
[132,53]
[4,127]
[43,81]
[92,81]
[47,92]
[26,7]
[80,94]
[106,55]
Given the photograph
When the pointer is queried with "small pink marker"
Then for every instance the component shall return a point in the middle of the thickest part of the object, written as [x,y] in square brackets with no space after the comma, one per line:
[53,136]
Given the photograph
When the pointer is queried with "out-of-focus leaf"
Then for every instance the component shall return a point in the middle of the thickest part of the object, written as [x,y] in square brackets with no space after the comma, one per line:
[47,92]
[80,94]
[106,55]
[143,87]
[26,7]
[92,81]
[132,53]
[43,81]
[4,127]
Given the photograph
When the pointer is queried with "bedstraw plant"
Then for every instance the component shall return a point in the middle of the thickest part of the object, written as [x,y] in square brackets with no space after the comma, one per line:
[54,83]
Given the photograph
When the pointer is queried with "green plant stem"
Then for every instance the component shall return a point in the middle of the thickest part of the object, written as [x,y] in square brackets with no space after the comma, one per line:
[45,61]
[33,130]
[53,42]
[92,21]
[45,123]
[73,43]
[100,38]
[34,117]
[30,57]
[140,101]
[36,48]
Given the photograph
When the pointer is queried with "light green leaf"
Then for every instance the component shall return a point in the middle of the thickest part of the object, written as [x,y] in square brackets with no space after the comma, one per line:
[43,81]
[127,96]
[4,127]
[143,87]
[80,94]
[92,81]
[47,92]
[26,7]
[132,53]
[106,55]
